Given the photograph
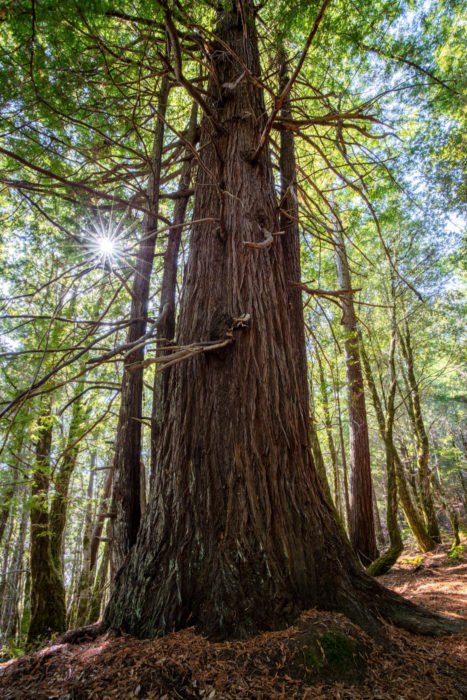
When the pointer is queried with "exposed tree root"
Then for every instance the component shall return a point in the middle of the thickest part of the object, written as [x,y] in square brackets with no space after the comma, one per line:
[80,634]
[386,561]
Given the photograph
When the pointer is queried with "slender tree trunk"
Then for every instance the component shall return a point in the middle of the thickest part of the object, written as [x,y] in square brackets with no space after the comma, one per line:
[238,535]
[6,565]
[331,445]
[102,515]
[416,523]
[343,457]
[423,448]
[59,505]
[8,492]
[387,560]
[380,535]
[10,613]
[95,603]
[48,613]
[84,587]
[126,507]
[290,239]
[361,520]
[448,509]
[166,323]
[26,610]
[7,497]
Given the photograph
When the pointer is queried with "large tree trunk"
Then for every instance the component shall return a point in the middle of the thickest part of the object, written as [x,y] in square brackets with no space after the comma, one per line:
[361,519]
[48,613]
[238,535]
[126,506]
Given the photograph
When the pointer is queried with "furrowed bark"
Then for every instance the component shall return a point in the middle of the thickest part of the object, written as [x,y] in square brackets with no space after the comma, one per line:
[361,521]
[126,507]
[238,535]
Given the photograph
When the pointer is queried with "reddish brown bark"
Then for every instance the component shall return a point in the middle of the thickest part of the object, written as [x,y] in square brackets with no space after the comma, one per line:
[238,535]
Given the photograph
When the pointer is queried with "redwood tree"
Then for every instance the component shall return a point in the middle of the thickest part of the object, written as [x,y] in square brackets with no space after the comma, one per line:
[238,535]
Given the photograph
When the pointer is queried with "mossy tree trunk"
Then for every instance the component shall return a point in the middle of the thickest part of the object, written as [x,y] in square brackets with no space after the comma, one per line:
[443,499]
[59,504]
[238,535]
[387,560]
[48,612]
[414,520]
[423,448]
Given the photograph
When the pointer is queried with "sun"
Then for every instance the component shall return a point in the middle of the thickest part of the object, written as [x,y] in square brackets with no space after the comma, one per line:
[106,247]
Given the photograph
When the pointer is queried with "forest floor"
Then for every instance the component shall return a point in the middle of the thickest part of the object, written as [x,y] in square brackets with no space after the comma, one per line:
[322,656]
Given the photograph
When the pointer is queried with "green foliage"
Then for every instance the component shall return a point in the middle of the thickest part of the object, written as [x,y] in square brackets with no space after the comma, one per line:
[455,555]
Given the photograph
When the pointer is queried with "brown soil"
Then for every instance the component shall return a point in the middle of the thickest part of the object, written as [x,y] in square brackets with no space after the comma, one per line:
[322,656]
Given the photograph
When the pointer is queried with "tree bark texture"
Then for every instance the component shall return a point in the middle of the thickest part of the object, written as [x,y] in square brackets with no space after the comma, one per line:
[48,613]
[238,535]
[361,519]
[126,506]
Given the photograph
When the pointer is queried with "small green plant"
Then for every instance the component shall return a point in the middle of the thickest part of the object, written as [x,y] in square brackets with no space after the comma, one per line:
[455,554]
[10,650]
[416,561]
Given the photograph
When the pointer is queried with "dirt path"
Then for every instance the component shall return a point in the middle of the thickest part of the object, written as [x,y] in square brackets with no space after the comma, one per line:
[322,656]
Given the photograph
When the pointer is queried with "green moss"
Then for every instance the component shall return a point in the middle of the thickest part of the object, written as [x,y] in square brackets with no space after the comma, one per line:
[332,655]
[332,649]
